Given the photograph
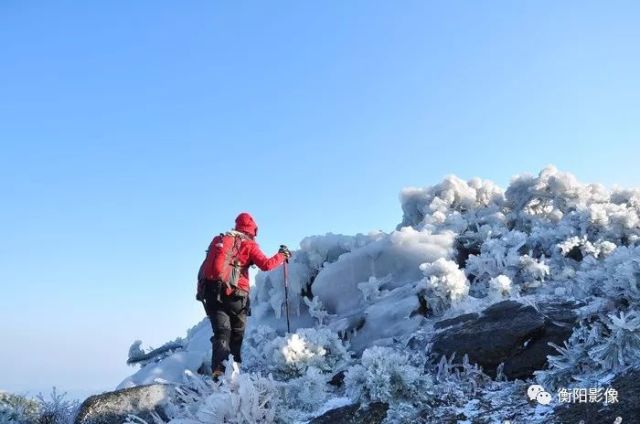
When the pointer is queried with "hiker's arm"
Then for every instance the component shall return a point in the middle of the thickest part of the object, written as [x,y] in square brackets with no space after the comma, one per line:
[264,263]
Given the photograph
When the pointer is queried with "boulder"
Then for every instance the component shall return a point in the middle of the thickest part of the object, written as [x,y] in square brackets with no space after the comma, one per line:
[507,332]
[374,413]
[114,407]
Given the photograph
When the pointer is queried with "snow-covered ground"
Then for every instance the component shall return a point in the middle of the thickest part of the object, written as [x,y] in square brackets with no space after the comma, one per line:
[356,301]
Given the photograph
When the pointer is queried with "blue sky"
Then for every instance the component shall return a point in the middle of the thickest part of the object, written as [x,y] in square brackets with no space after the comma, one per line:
[131,132]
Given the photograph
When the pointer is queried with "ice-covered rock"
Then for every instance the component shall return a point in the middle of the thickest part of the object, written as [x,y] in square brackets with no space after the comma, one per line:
[507,333]
[374,413]
[147,402]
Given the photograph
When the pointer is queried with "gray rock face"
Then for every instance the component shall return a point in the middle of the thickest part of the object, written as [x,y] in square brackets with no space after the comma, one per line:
[375,413]
[114,407]
[507,332]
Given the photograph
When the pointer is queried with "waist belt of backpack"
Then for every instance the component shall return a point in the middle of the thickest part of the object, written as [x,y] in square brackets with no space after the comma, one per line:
[235,290]
[240,293]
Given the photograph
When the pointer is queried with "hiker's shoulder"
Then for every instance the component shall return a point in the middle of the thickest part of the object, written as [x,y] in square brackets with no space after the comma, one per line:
[246,240]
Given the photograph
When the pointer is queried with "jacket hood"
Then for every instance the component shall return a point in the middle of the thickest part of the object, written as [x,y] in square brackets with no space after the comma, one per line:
[246,224]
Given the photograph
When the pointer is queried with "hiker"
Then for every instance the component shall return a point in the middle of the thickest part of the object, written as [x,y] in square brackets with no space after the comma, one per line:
[223,286]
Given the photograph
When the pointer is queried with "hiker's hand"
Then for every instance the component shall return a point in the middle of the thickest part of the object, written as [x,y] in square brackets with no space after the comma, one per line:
[285,251]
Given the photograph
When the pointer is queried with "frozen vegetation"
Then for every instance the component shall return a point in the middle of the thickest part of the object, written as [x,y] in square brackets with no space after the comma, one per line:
[365,309]
[52,409]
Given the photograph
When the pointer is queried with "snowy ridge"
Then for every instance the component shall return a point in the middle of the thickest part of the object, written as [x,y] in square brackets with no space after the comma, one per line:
[357,301]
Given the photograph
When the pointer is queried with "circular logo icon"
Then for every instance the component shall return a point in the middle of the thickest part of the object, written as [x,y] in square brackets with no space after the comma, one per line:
[544,398]
[533,391]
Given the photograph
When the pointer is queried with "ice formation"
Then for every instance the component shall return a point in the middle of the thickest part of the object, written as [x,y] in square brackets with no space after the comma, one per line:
[460,247]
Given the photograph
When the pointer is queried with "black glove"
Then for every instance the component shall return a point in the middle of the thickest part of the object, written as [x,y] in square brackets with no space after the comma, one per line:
[285,251]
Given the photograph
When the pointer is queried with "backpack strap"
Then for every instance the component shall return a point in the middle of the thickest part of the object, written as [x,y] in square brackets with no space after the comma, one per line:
[238,237]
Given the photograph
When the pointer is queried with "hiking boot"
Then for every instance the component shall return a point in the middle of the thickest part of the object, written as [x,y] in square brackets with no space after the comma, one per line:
[217,374]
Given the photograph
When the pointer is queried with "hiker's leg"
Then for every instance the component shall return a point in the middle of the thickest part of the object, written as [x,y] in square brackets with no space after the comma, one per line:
[211,304]
[238,323]
[221,334]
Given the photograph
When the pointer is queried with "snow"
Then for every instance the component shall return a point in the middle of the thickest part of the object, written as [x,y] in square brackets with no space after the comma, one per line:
[171,366]
[461,246]
[397,255]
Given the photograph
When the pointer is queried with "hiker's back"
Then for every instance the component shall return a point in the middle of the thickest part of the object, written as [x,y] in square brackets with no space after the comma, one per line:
[227,260]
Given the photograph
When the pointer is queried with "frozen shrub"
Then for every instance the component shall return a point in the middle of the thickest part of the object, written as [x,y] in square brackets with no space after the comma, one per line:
[615,278]
[500,287]
[572,360]
[316,309]
[532,269]
[239,399]
[445,284]
[56,409]
[431,206]
[623,271]
[253,347]
[498,256]
[384,374]
[293,354]
[15,409]
[579,247]
[603,347]
[621,347]
[455,380]
[307,392]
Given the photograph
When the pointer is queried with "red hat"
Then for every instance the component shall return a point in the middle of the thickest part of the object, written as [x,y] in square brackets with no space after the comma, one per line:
[246,224]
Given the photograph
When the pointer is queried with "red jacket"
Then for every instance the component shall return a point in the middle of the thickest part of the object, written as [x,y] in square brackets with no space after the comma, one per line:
[250,253]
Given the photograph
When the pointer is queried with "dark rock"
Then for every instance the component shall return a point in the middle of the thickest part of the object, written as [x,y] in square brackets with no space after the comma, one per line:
[575,253]
[507,332]
[419,341]
[114,407]
[445,323]
[464,249]
[374,413]
[423,308]
[559,320]
[337,379]
[628,407]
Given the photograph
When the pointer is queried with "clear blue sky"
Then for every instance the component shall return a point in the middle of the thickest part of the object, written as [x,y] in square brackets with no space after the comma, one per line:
[131,132]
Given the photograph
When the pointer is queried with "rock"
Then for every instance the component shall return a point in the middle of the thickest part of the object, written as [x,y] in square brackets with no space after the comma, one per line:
[374,413]
[507,332]
[464,248]
[575,253]
[559,320]
[455,321]
[337,379]
[628,407]
[114,407]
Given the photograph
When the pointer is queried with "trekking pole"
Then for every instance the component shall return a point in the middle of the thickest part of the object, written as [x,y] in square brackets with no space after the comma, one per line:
[286,292]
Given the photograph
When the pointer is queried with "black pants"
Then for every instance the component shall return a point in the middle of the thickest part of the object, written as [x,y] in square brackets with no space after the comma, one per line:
[228,316]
